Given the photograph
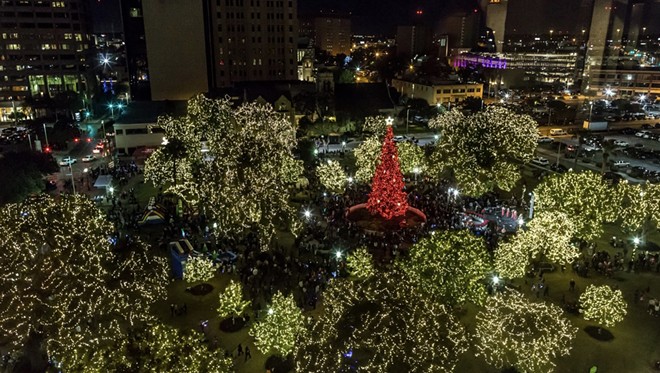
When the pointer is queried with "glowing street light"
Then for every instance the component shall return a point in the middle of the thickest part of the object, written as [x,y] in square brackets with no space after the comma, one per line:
[307,213]
[350,179]
[496,280]
[338,254]
[271,311]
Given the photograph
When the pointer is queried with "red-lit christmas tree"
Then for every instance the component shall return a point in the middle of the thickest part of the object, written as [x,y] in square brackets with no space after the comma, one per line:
[387,197]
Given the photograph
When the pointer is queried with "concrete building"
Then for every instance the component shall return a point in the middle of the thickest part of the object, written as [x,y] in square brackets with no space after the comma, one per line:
[218,43]
[137,127]
[462,29]
[43,48]
[625,83]
[254,40]
[178,59]
[332,33]
[438,92]
[136,49]
[413,40]
[496,13]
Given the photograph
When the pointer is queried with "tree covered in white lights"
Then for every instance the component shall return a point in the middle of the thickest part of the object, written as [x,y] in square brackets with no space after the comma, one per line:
[282,324]
[198,269]
[231,301]
[584,197]
[240,162]
[483,151]
[549,235]
[376,125]
[513,331]
[360,263]
[449,266]
[61,278]
[640,206]
[382,324]
[603,305]
[159,348]
[332,176]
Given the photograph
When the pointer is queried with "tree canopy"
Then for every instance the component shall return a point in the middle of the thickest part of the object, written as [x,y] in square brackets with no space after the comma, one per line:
[240,163]
[62,278]
[449,266]
[483,151]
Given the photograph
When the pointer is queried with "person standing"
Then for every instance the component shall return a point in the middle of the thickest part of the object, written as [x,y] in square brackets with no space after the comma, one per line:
[248,355]
[240,350]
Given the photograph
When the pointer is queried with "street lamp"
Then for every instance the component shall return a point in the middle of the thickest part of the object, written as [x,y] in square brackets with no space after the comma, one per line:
[307,213]
[496,280]
[73,181]
[271,311]
[46,136]
[112,110]
[338,254]
[416,171]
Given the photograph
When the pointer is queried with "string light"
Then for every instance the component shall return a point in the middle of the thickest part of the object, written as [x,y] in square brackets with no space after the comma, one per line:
[231,301]
[513,331]
[603,305]
[332,176]
[159,348]
[584,197]
[198,269]
[245,173]
[63,280]
[387,197]
[640,206]
[449,266]
[280,327]
[360,263]
[549,235]
[483,151]
[387,322]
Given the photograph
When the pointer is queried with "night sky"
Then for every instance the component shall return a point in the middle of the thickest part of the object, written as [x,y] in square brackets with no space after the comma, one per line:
[382,16]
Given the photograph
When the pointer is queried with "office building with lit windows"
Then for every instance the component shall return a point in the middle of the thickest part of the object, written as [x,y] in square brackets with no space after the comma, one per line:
[332,33]
[219,43]
[43,48]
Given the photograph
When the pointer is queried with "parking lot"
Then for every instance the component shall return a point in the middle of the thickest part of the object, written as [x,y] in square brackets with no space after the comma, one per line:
[638,158]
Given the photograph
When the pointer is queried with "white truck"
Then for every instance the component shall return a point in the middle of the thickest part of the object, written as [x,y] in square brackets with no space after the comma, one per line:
[595,126]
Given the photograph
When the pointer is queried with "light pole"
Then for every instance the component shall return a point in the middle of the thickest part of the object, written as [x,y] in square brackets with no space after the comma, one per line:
[73,181]
[46,136]
[416,171]
[112,110]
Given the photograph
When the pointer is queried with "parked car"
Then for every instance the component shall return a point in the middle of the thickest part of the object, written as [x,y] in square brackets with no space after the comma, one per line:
[620,143]
[646,126]
[544,139]
[558,132]
[642,133]
[628,131]
[540,161]
[66,161]
[620,163]
[88,158]
[397,138]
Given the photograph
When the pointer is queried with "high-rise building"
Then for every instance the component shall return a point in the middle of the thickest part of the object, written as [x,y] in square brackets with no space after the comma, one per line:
[618,28]
[462,29]
[136,49]
[43,48]
[176,34]
[496,12]
[332,33]
[197,46]
[413,40]
[253,40]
